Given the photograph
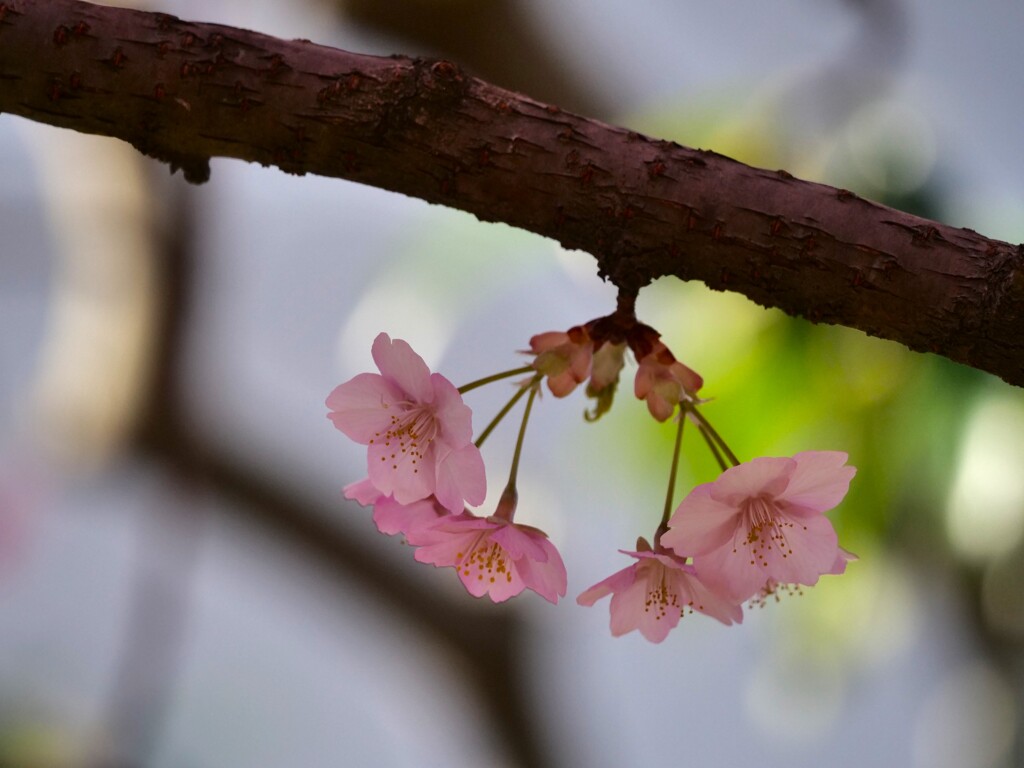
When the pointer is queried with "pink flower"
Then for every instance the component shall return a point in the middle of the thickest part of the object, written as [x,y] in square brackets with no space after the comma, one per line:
[663,381]
[389,516]
[653,594]
[494,556]
[418,430]
[773,590]
[763,522]
[564,358]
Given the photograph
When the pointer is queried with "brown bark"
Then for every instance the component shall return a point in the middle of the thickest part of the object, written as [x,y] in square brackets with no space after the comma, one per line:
[184,92]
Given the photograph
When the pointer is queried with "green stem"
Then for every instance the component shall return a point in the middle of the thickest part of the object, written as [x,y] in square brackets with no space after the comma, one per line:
[494,377]
[510,486]
[714,448]
[712,433]
[510,496]
[671,479]
[508,407]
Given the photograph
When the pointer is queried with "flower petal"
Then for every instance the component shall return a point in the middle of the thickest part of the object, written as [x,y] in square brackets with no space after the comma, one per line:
[401,474]
[461,478]
[392,517]
[359,407]
[617,582]
[698,597]
[401,365]
[734,575]
[810,548]
[454,417]
[700,524]
[542,342]
[562,384]
[451,537]
[819,481]
[362,491]
[546,577]
[763,476]
[690,380]
[844,557]
[627,606]
[660,609]
[520,543]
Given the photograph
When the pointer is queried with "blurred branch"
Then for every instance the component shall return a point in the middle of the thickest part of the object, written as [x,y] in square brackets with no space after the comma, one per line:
[499,40]
[184,92]
[488,645]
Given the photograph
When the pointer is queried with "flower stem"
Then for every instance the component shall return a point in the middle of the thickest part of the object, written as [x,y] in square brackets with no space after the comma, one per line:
[508,407]
[663,526]
[510,486]
[510,496]
[710,432]
[714,448]
[494,377]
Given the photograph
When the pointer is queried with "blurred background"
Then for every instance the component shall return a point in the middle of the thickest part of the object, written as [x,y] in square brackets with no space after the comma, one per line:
[182,583]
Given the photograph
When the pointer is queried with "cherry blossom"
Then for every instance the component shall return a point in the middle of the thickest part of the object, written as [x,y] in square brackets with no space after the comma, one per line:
[417,428]
[654,593]
[563,357]
[493,556]
[773,590]
[762,523]
[663,381]
[389,516]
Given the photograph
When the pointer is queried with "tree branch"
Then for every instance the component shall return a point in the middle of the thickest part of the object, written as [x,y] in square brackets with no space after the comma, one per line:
[184,92]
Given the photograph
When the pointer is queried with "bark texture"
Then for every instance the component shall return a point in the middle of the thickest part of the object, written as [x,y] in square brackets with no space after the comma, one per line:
[184,92]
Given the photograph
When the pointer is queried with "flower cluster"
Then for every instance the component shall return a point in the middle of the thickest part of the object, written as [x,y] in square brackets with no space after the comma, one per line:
[424,468]
[758,527]
[755,532]
[595,353]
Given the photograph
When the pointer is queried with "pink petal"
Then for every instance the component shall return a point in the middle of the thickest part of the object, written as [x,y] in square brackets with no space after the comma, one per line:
[519,543]
[656,620]
[363,491]
[660,408]
[454,417]
[358,407]
[730,573]
[687,377]
[580,362]
[617,582]
[400,474]
[811,549]
[643,382]
[627,606]
[820,480]
[501,586]
[452,535]
[763,476]
[562,384]
[542,342]
[443,552]
[399,364]
[701,599]
[460,479]
[392,517]
[545,577]
[700,524]
[844,557]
